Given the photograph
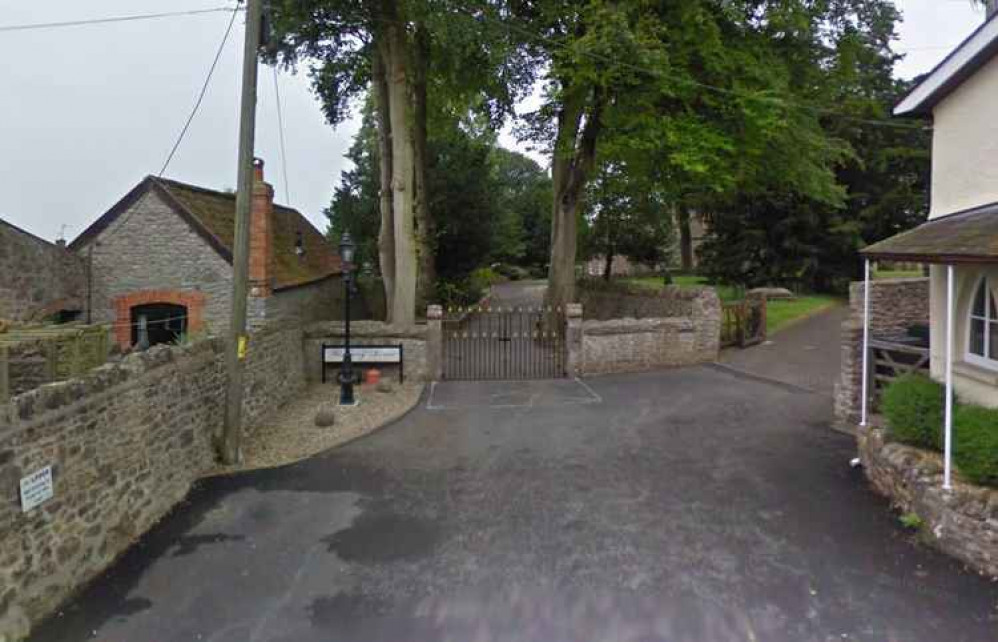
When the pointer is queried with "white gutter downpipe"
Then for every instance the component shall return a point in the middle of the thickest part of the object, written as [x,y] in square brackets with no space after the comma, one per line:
[948,428]
[866,342]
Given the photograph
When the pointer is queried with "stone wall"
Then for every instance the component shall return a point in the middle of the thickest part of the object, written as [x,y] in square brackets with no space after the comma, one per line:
[895,305]
[421,345]
[318,301]
[636,344]
[962,522]
[37,278]
[125,442]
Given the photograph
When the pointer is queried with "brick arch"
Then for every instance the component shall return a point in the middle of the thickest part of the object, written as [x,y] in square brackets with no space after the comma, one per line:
[193,300]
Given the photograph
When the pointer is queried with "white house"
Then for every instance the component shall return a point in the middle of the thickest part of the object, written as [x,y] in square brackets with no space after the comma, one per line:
[960,240]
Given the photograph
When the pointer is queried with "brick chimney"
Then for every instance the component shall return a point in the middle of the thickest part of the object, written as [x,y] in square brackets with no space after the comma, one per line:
[261,250]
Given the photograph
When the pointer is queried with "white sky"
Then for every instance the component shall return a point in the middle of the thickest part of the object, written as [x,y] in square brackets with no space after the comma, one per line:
[86,112]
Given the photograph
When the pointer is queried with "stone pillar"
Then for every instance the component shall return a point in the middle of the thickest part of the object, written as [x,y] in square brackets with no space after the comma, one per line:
[573,340]
[434,343]
[706,315]
[849,389]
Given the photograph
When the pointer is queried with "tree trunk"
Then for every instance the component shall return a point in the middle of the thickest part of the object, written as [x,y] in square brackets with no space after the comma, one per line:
[403,310]
[386,236]
[608,266]
[570,168]
[425,229]
[685,239]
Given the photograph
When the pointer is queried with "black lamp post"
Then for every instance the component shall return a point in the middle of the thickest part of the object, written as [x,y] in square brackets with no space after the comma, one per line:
[346,369]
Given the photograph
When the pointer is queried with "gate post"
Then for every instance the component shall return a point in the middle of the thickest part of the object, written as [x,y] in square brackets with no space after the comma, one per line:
[434,343]
[573,339]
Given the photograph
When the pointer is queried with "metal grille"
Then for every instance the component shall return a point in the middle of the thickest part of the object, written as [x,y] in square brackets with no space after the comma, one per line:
[504,343]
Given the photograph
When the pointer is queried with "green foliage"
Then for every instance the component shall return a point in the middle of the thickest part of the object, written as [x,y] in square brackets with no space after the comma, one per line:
[911,521]
[521,233]
[975,443]
[913,406]
[626,215]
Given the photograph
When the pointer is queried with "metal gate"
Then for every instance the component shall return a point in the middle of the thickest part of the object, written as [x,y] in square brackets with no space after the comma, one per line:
[504,343]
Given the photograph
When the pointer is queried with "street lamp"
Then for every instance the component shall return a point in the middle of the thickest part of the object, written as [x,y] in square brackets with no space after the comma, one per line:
[347,248]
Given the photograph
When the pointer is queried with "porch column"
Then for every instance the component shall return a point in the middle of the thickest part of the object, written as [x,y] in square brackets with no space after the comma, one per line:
[866,342]
[948,428]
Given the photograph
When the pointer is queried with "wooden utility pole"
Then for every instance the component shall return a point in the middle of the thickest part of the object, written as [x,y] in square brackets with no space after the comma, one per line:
[235,346]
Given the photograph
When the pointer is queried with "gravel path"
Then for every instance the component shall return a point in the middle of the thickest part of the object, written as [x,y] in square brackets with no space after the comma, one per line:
[289,434]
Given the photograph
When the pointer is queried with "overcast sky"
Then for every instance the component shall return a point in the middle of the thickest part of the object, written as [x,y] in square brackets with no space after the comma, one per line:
[88,111]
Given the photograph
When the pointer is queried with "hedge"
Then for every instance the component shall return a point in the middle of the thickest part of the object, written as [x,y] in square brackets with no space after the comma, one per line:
[975,443]
[914,406]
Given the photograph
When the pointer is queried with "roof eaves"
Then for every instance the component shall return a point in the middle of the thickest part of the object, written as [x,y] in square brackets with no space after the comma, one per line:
[112,214]
[966,58]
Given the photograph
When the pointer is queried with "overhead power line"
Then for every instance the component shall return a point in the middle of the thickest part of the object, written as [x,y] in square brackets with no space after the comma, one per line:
[96,21]
[204,90]
[280,131]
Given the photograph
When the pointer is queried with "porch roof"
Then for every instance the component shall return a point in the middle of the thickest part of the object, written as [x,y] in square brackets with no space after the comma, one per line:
[970,236]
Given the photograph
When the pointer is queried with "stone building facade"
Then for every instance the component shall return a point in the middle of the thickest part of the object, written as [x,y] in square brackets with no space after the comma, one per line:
[38,279]
[164,252]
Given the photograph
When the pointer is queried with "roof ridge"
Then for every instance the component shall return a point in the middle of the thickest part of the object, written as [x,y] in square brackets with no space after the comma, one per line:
[213,192]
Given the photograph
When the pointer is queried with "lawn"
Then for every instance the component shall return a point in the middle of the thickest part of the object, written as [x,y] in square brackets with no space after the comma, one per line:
[779,313]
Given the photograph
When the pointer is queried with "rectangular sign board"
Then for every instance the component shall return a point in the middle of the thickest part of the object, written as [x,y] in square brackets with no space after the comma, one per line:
[364,354]
[36,489]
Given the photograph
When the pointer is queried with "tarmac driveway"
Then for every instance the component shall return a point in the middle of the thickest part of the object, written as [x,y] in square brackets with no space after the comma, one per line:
[692,504]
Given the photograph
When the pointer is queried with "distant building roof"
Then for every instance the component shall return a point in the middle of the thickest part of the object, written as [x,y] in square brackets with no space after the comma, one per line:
[969,56]
[970,236]
[212,215]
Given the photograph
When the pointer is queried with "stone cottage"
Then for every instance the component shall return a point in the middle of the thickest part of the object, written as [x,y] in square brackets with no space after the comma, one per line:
[38,280]
[162,256]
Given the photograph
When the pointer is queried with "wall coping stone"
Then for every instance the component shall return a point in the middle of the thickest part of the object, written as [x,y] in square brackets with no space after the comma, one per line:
[365,329]
[630,325]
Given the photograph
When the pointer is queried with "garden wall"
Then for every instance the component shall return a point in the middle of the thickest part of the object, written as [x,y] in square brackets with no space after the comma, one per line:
[895,305]
[125,442]
[676,327]
[962,522]
[421,345]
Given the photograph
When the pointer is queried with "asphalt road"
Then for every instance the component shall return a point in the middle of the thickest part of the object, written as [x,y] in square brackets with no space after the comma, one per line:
[687,505]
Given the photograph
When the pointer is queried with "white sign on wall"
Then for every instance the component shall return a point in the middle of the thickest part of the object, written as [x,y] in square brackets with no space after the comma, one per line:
[36,489]
[364,354]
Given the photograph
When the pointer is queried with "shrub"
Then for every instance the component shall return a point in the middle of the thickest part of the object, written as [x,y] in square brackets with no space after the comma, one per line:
[975,443]
[913,406]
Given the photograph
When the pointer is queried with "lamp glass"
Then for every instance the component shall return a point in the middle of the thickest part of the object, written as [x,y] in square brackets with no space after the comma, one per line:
[346,248]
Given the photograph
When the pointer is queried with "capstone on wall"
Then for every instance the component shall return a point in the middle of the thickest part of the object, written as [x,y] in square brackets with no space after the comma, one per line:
[125,442]
[37,278]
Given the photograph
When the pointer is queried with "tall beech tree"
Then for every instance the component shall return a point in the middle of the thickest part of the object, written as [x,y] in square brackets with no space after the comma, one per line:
[408,53]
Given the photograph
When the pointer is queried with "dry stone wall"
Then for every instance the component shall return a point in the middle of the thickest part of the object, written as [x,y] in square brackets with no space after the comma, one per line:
[125,443]
[962,522]
[692,335]
[895,306]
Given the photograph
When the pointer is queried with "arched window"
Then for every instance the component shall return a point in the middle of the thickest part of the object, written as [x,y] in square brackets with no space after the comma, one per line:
[982,344]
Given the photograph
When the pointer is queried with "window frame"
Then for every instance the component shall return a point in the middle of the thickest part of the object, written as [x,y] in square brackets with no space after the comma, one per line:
[990,302]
